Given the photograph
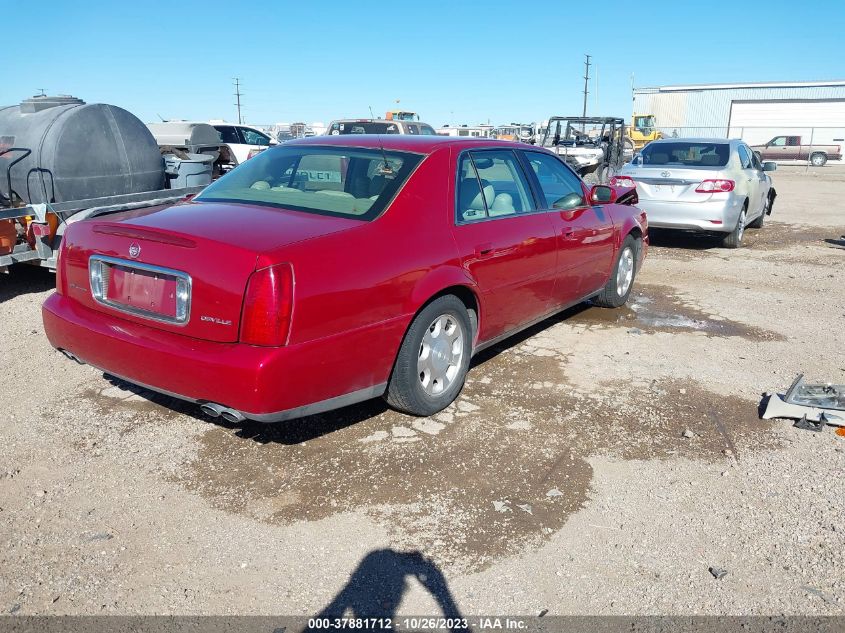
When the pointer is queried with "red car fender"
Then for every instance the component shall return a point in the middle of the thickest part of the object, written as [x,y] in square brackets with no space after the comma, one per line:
[629,219]
[439,280]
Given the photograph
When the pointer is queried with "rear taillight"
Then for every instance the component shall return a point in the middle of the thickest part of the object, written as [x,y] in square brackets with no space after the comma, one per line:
[622,181]
[268,304]
[253,153]
[60,273]
[715,186]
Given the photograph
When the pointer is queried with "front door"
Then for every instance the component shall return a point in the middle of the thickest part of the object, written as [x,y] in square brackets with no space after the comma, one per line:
[585,231]
[506,245]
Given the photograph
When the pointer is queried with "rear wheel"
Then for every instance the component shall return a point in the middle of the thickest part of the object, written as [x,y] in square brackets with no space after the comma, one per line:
[433,361]
[818,159]
[618,288]
[758,222]
[734,238]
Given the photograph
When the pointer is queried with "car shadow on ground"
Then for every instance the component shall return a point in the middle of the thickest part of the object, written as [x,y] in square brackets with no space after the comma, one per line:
[301,430]
[25,279]
[377,585]
[312,427]
[667,238]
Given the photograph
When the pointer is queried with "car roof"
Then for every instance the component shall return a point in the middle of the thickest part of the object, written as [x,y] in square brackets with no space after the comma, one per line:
[423,144]
[697,139]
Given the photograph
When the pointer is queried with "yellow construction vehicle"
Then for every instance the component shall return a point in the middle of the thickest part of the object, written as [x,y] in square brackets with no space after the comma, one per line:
[643,130]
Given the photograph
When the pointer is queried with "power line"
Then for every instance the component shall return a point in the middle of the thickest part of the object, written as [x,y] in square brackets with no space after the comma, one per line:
[238,94]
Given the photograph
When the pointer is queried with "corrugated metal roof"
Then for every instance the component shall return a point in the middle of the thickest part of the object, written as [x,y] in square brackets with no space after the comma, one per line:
[758,84]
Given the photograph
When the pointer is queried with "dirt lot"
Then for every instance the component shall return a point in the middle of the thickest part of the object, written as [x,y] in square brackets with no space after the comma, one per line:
[561,479]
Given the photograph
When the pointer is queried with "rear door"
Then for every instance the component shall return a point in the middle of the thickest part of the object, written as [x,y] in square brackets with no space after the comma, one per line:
[752,181]
[506,246]
[584,232]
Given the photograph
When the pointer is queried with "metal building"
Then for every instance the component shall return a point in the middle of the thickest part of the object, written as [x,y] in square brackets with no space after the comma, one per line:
[755,112]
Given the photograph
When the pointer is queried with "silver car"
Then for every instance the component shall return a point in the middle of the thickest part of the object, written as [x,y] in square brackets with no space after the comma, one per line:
[701,184]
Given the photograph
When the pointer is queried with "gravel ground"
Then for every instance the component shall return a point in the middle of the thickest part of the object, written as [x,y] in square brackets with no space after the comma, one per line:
[600,463]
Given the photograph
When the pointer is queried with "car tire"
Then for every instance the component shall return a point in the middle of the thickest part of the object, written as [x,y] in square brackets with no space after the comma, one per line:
[734,238]
[433,360]
[818,159]
[618,288]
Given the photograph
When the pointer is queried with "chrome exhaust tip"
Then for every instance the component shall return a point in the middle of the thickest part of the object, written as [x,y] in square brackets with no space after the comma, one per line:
[214,410]
[210,409]
[72,356]
[232,416]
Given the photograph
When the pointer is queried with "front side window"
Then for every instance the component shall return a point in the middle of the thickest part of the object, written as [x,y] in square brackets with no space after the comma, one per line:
[778,141]
[427,130]
[491,184]
[561,188]
[324,180]
[687,154]
[254,137]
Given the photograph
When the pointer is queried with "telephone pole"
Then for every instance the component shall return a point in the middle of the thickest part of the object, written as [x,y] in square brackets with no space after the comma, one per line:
[586,83]
[238,94]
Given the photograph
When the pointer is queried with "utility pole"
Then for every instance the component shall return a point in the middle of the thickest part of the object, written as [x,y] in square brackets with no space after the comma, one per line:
[238,94]
[586,83]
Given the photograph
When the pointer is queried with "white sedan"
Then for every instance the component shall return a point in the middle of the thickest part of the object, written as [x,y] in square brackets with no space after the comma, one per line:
[700,184]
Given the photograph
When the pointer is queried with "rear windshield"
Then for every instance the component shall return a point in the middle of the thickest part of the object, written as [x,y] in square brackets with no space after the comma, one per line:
[701,154]
[337,181]
[365,127]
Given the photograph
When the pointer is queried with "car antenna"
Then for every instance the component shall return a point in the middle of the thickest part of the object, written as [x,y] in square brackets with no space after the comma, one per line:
[386,169]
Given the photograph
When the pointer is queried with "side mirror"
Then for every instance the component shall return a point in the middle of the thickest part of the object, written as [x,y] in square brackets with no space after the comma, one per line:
[770,165]
[602,194]
[569,201]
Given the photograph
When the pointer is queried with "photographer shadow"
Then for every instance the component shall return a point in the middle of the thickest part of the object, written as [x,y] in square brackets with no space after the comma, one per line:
[378,584]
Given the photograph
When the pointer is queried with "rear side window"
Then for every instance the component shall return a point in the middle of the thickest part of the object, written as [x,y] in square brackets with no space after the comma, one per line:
[325,180]
[685,153]
[744,157]
[491,184]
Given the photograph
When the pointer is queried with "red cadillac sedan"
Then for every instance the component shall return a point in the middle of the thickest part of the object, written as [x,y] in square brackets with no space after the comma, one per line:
[331,270]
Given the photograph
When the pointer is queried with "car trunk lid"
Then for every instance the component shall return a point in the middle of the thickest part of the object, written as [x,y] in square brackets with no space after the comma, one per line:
[184,268]
[670,183]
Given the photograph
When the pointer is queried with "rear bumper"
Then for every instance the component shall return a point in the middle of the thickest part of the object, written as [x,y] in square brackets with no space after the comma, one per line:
[713,215]
[264,384]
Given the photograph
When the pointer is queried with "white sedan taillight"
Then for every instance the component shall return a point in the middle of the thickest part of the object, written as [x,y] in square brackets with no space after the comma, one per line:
[715,186]
[622,181]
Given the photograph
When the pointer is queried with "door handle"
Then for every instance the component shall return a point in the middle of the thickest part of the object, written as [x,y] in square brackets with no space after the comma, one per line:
[568,234]
[484,249]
